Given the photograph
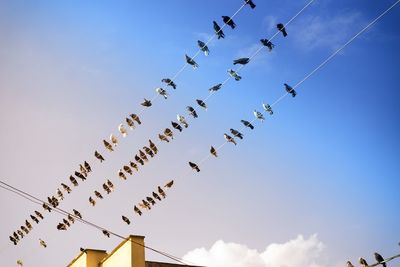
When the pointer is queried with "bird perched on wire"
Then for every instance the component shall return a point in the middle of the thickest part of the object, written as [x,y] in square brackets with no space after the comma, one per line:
[161,192]
[126,220]
[163,138]
[77,213]
[127,169]
[130,123]
[23,228]
[268,108]
[241,61]
[215,87]
[92,201]
[168,132]
[87,166]
[97,194]
[108,145]
[151,200]
[247,124]
[191,62]
[213,151]
[201,103]
[60,194]
[259,115]
[34,218]
[236,133]
[146,103]
[73,180]
[135,118]
[66,223]
[61,227]
[182,120]
[28,224]
[21,234]
[349,264]
[148,151]
[162,92]
[98,156]
[192,111]
[230,139]
[290,90]
[106,188]
[362,262]
[20,263]
[122,130]
[156,196]
[121,175]
[110,185]
[234,75]
[16,237]
[153,147]
[176,126]
[143,156]
[282,29]
[42,243]
[203,47]
[66,188]
[39,214]
[113,140]
[218,30]
[268,44]
[83,170]
[250,3]
[137,210]
[46,207]
[139,160]
[194,166]
[380,259]
[169,82]
[145,204]
[228,21]
[106,233]
[80,175]
[134,165]
[13,240]
[70,218]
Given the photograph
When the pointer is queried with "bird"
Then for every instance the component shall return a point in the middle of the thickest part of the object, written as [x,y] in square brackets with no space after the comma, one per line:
[20,263]
[282,29]
[236,133]
[241,61]
[362,262]
[156,196]
[228,21]
[28,224]
[110,185]
[247,124]
[80,175]
[42,243]
[92,201]
[46,207]
[163,138]
[12,239]
[61,227]
[60,194]
[143,156]
[192,111]
[135,118]
[169,82]
[268,108]
[259,115]
[146,103]
[66,188]
[230,139]
[106,188]
[106,233]
[148,151]
[162,92]
[83,170]
[121,175]
[176,126]
[130,123]
[134,165]
[16,237]
[151,200]
[122,130]
[218,30]
[145,204]
[66,223]
[125,219]
[169,184]
[250,3]
[168,132]
[70,218]
[379,259]
[98,156]
[203,47]
[97,194]
[215,87]
[267,43]
[73,180]
[161,192]
[34,218]
[139,160]
[213,151]
[39,214]
[77,213]
[191,62]
[194,166]
[108,145]
[153,147]
[137,210]
[201,104]
[234,75]
[290,90]
[21,234]
[182,120]
[128,170]
[23,228]
[349,264]
[87,166]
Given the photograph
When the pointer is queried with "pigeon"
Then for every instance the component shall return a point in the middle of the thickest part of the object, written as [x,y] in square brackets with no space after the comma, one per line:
[290,90]
[218,30]
[241,61]
[134,165]
[151,200]
[163,138]
[228,21]
[146,103]
[106,188]
[106,233]
[66,223]
[42,243]
[122,130]
[125,219]
[77,213]
[168,132]
[98,156]
[162,92]
[128,170]
[379,259]
[110,185]
[153,147]
[349,264]
[87,166]
[16,237]
[60,194]
[108,145]
[137,210]
[161,192]
[28,224]
[362,262]
[268,108]
[21,234]
[282,29]
[83,170]
[52,203]
[176,126]
[66,188]
[12,239]
[148,151]
[97,194]
[250,3]
[121,175]
[80,175]
[34,219]
[114,139]
[215,87]
[136,118]
[259,115]
[145,204]
[236,133]
[247,124]
[143,156]
[192,111]
[234,75]
[182,120]
[203,47]
[39,214]
[194,166]
[169,82]
[61,227]
[46,207]
[230,139]
[191,62]
[139,160]
[169,184]
[213,151]
[156,196]
[267,43]
[71,219]
[54,200]
[92,201]
[130,123]
[20,263]
[23,228]
[201,103]
[73,180]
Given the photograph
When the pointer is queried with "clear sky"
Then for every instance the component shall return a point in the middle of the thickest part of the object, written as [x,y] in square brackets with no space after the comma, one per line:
[325,166]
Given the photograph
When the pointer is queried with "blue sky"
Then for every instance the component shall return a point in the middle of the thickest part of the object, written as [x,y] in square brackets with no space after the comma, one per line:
[326,163]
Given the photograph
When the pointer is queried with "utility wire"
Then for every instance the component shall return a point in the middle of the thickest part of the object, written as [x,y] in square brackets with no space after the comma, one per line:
[386,260]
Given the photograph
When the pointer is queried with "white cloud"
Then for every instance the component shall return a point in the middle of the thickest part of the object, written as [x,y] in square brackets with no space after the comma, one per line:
[299,252]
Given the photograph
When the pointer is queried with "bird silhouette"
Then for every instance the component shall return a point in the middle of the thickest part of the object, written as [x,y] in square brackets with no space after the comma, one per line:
[168,132]
[282,29]
[146,103]
[259,115]
[290,90]
[131,123]
[169,184]
[203,47]
[169,82]
[234,75]
[201,103]
[191,62]
[268,108]
[98,156]
[215,87]
[267,43]
[137,210]
[162,92]
[122,130]
[250,3]
[108,146]
[213,151]
[126,220]
[228,21]
[236,133]
[379,259]
[247,124]
[163,138]
[192,111]
[153,147]
[194,166]
[182,120]
[218,31]
[176,126]
[136,118]
[241,61]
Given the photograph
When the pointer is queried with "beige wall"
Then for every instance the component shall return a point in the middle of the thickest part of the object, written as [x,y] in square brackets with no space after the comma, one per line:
[128,254]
